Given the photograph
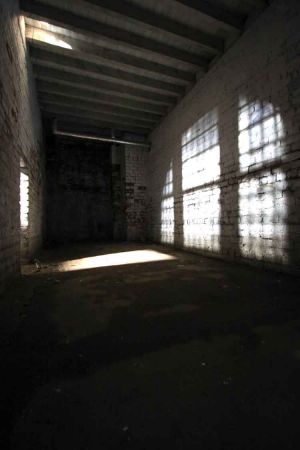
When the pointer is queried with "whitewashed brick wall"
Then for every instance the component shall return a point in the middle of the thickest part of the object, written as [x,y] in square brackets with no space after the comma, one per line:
[233,145]
[20,137]
[136,192]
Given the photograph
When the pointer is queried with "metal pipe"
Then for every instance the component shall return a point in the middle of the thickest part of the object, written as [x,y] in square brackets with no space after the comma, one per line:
[99,138]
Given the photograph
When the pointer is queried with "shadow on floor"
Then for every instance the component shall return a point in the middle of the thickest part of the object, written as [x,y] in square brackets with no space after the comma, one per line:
[188,352]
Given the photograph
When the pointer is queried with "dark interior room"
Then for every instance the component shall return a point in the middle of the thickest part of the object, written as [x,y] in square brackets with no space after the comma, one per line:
[150,224]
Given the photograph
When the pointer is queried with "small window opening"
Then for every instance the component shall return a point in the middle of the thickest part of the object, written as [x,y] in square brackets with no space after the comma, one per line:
[24,197]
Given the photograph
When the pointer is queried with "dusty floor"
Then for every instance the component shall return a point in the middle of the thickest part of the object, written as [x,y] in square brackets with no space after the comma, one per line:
[185,353]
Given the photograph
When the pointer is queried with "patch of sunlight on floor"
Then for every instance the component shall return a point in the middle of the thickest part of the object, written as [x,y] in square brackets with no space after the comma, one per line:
[114,259]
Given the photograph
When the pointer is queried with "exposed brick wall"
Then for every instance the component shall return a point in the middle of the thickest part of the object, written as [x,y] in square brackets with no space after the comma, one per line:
[95,191]
[118,192]
[20,137]
[224,169]
[136,192]
[79,191]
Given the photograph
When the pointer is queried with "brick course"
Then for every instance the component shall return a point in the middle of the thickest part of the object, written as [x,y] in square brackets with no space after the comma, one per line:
[233,146]
[20,137]
[136,192]
[79,184]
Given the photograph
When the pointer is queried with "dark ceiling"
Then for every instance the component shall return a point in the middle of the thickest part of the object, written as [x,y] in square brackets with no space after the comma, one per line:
[119,65]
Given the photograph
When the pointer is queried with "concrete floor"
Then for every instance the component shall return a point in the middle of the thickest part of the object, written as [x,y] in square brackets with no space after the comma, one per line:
[185,353]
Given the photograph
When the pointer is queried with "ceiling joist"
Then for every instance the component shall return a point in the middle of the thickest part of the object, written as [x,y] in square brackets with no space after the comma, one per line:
[68,19]
[85,92]
[216,11]
[97,51]
[48,53]
[47,71]
[70,114]
[64,100]
[145,16]
[124,64]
